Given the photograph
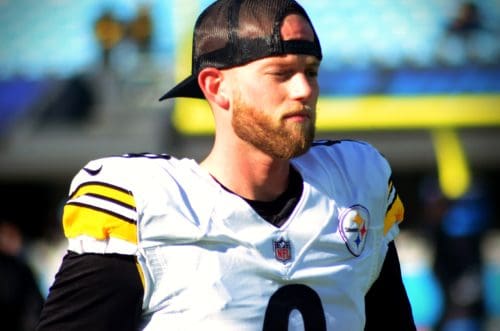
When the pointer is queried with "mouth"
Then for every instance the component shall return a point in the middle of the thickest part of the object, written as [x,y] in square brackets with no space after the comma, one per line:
[298,116]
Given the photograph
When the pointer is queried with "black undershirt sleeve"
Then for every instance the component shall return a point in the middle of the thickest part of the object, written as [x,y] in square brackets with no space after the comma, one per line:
[387,304]
[94,292]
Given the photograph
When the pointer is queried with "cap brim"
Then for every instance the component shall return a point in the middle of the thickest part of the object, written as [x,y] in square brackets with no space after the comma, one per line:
[188,88]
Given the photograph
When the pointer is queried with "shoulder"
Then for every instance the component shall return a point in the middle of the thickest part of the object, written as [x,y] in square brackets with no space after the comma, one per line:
[123,163]
[345,147]
[351,156]
[358,165]
[121,171]
[101,213]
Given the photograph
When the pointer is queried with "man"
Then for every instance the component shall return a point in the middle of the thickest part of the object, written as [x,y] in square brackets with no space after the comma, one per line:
[269,232]
[20,297]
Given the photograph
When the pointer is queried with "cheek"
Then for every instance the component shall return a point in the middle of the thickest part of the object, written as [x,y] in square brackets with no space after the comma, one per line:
[260,87]
[315,88]
[262,94]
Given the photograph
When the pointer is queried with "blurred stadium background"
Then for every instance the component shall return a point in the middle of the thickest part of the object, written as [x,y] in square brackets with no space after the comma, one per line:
[81,79]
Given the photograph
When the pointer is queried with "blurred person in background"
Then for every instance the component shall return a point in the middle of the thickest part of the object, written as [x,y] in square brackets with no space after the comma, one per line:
[458,227]
[467,20]
[20,297]
[109,32]
[140,29]
[467,38]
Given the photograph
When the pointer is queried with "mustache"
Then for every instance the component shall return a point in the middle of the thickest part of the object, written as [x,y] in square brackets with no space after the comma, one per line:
[304,110]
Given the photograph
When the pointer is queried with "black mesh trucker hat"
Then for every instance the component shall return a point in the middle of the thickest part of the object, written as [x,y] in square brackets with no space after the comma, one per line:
[230,33]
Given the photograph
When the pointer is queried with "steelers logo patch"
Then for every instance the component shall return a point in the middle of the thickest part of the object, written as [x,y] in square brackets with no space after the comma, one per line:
[353,228]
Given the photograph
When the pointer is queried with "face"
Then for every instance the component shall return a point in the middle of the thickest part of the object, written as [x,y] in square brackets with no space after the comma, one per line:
[274,99]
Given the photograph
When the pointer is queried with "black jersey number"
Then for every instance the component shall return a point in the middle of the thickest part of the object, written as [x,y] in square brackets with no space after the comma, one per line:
[290,297]
[147,155]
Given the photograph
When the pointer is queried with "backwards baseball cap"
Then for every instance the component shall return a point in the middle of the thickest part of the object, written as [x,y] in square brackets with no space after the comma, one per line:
[230,33]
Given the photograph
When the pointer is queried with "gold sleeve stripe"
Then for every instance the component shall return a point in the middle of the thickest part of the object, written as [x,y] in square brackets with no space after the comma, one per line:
[105,190]
[141,273]
[102,210]
[394,214]
[390,187]
[97,223]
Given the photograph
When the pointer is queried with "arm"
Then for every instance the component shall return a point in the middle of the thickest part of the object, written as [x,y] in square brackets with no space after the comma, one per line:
[94,292]
[98,286]
[387,305]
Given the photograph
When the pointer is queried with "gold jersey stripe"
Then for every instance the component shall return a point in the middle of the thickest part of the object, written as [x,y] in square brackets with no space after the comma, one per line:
[394,214]
[81,220]
[107,190]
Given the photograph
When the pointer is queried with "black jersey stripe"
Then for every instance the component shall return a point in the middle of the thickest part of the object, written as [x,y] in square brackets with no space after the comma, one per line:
[114,201]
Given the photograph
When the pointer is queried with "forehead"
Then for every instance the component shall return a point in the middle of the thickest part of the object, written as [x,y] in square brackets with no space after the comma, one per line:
[296,27]
[288,60]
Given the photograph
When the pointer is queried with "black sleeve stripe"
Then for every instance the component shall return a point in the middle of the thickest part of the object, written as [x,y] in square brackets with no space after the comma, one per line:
[102,197]
[114,187]
[394,198]
[102,210]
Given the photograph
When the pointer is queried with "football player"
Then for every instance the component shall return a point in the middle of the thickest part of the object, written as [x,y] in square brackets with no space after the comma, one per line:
[271,231]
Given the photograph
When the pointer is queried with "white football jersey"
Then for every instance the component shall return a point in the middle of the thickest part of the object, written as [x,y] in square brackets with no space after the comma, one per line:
[209,261]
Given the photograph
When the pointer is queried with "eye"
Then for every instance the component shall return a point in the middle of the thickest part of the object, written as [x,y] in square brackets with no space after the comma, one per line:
[312,72]
[282,74]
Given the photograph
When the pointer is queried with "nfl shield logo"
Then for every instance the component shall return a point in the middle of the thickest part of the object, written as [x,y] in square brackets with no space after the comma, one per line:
[282,251]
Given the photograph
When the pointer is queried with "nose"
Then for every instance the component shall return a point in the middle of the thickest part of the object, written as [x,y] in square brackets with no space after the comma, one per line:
[303,87]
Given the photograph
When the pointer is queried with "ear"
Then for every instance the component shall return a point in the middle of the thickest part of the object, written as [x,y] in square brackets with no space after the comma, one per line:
[210,81]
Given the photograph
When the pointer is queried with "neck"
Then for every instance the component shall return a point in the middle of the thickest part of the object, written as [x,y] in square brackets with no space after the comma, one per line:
[250,174]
